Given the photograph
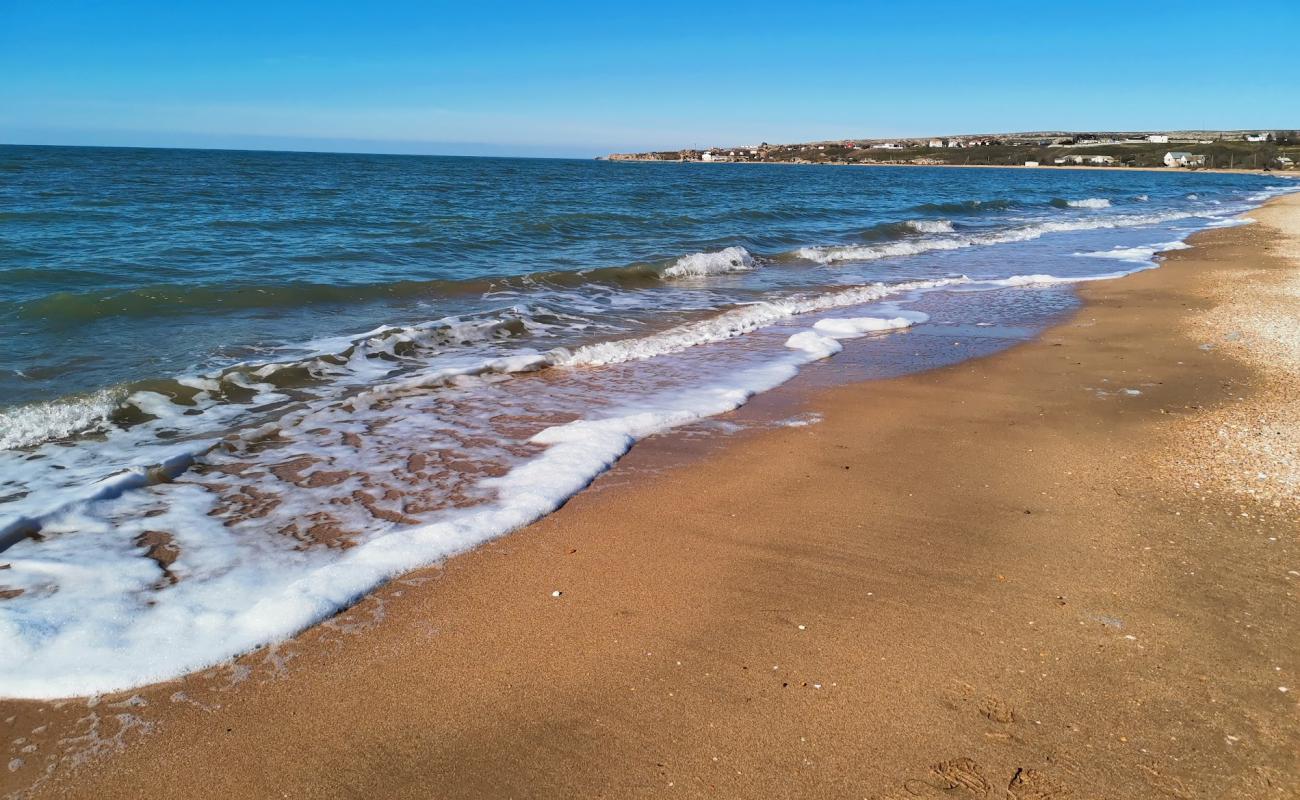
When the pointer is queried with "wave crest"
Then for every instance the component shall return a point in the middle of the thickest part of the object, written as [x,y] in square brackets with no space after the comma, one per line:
[930,225]
[1088,202]
[736,322]
[720,262]
[24,426]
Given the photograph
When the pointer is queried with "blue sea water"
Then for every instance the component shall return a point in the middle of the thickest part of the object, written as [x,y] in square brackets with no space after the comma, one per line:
[182,260]
[310,372]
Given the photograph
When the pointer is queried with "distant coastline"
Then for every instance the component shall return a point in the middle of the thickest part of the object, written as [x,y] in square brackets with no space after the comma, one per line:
[1209,151]
[906,164]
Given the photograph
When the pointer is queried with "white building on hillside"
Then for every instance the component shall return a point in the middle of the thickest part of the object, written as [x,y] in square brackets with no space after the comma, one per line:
[1178,158]
[1158,138]
[1084,159]
[1256,137]
[936,142]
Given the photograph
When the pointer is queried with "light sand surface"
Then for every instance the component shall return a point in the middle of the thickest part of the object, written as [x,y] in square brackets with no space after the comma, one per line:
[1052,572]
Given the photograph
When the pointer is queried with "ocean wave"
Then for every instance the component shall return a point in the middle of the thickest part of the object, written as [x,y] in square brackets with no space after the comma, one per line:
[72,308]
[830,254]
[930,225]
[373,359]
[967,206]
[721,262]
[25,426]
[1089,202]
[19,276]
[359,360]
[737,322]
[869,252]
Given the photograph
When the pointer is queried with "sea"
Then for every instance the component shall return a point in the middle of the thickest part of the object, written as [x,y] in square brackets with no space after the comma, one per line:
[240,390]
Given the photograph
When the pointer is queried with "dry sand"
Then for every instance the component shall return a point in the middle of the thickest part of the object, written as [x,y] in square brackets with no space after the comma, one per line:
[1050,572]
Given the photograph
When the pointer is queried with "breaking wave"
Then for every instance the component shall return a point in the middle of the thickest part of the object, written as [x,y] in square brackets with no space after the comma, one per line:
[698,265]
[737,322]
[930,225]
[1090,202]
[24,426]
[868,252]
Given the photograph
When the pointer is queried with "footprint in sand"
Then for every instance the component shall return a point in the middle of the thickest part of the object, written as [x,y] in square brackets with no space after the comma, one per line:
[946,776]
[960,696]
[1030,784]
[964,778]
[997,709]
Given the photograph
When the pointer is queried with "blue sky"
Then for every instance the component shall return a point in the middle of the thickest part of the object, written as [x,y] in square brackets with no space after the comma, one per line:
[586,78]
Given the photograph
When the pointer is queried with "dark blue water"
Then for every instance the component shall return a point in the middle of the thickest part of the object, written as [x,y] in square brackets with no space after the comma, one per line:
[307,373]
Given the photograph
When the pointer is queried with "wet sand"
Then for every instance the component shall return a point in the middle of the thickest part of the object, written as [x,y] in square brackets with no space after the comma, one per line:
[1054,571]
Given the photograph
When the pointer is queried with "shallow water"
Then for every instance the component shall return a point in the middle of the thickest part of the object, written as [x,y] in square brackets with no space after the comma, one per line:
[238,390]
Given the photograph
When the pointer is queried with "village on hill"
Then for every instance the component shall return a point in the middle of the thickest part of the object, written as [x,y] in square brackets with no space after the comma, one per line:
[1260,150]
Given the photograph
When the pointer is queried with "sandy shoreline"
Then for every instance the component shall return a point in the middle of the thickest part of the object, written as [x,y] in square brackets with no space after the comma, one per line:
[1046,571]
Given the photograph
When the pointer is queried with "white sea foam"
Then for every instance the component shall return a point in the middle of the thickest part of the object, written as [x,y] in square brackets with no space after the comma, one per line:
[930,225]
[1052,280]
[859,326]
[106,628]
[1230,222]
[1091,202]
[870,252]
[814,344]
[1139,255]
[721,262]
[802,420]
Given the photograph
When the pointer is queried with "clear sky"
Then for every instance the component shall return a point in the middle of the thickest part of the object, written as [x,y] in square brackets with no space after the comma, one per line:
[585,78]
